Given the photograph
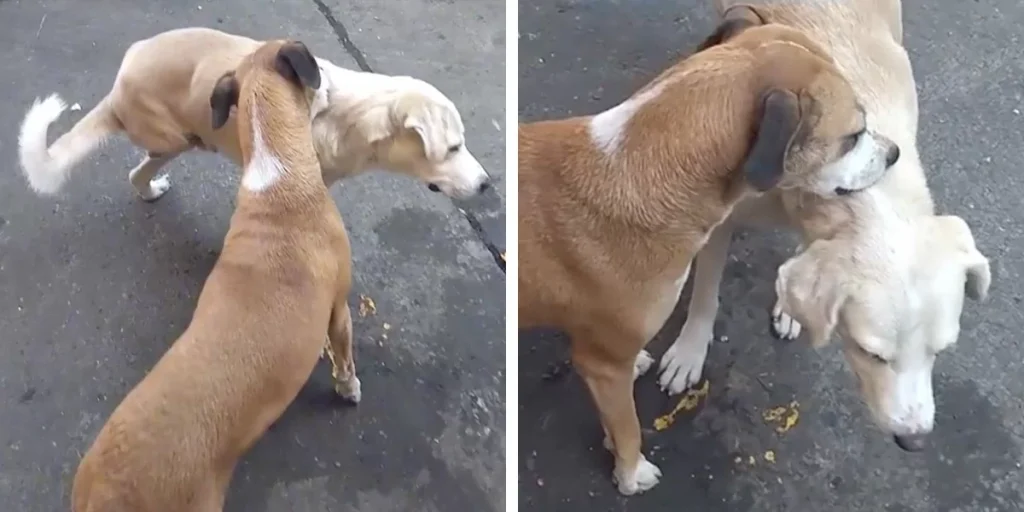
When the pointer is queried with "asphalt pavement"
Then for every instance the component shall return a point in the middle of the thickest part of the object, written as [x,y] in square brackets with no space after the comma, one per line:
[95,284]
[582,56]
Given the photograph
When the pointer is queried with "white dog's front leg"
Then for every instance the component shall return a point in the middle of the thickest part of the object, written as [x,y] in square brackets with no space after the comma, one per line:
[784,327]
[683,362]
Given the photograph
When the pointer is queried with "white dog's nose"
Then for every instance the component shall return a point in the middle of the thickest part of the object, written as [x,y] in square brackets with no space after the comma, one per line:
[911,442]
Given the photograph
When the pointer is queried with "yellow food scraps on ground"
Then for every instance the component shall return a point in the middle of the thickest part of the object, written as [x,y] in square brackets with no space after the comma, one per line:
[688,402]
[770,456]
[366,306]
[784,417]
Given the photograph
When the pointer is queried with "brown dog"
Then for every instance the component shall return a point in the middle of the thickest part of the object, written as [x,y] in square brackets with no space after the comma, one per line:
[282,280]
[614,207]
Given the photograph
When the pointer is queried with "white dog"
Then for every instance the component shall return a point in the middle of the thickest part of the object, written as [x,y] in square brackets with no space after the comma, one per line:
[160,100]
[878,266]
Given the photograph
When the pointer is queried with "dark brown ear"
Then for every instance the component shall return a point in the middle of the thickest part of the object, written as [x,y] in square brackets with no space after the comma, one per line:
[295,63]
[735,20]
[225,96]
[779,124]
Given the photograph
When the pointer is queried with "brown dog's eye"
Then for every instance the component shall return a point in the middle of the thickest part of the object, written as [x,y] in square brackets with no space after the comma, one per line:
[850,141]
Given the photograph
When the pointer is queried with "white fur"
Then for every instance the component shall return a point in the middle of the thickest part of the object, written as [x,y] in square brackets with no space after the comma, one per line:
[891,271]
[265,168]
[607,128]
[354,114]
[645,476]
[643,362]
[351,389]
[45,174]
[784,325]
[367,109]
[858,169]
[683,363]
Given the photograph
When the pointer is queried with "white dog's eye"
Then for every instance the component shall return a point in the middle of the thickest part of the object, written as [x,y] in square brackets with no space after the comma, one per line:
[454,149]
[878,359]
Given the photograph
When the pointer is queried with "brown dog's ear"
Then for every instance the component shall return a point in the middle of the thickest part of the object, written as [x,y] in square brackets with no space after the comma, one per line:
[735,20]
[779,124]
[225,96]
[296,63]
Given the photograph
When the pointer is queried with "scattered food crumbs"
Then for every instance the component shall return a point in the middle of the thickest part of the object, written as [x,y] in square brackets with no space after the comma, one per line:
[739,460]
[752,460]
[540,482]
[770,456]
[387,326]
[76,107]
[503,257]
[688,402]
[366,306]
[784,417]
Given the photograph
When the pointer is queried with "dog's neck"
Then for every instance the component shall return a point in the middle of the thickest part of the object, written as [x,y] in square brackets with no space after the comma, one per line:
[359,116]
[277,149]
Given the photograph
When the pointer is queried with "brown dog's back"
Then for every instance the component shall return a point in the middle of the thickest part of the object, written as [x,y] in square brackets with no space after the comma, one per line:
[257,331]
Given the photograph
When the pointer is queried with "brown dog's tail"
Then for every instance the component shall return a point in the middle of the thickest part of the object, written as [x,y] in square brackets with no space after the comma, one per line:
[47,167]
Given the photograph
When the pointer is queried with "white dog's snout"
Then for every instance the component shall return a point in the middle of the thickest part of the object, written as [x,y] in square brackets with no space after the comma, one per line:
[911,408]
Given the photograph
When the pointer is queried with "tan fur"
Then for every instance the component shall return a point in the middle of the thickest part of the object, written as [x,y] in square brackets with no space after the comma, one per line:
[606,241]
[281,281]
[160,100]
[879,267]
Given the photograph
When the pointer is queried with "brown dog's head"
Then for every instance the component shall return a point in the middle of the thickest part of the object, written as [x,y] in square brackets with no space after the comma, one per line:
[265,68]
[810,131]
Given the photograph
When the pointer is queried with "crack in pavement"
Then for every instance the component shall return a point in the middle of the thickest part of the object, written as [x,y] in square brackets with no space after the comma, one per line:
[496,252]
[350,47]
[342,33]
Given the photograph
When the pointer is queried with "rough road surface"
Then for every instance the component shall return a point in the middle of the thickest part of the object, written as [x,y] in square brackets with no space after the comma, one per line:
[95,285]
[579,57]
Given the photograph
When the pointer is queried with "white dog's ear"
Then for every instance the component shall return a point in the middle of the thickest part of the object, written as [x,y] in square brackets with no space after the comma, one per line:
[812,293]
[957,234]
[430,134]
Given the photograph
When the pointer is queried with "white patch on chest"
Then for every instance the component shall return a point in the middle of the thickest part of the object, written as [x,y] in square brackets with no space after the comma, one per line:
[607,128]
[265,168]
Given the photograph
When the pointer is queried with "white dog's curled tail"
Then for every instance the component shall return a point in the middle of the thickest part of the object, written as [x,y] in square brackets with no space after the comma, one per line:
[46,168]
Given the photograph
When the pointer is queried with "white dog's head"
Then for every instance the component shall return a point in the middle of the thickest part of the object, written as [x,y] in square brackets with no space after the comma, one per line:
[394,123]
[429,142]
[895,310]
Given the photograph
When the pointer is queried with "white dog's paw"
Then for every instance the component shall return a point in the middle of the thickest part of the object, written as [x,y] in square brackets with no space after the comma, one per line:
[644,361]
[157,187]
[644,477]
[784,326]
[683,362]
[350,388]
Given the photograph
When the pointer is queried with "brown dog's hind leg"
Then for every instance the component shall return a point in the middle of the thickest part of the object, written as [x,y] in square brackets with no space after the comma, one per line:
[143,176]
[339,350]
[610,380]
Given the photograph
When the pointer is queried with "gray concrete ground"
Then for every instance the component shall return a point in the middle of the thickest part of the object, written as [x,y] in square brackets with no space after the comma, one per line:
[96,284]
[578,57]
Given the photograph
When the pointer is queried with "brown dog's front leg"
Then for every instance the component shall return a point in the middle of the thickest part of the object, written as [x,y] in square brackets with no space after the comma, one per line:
[339,350]
[611,384]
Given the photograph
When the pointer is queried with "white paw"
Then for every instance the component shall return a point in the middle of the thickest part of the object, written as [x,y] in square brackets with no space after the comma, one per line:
[783,325]
[351,389]
[157,187]
[683,362]
[644,477]
[644,361]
